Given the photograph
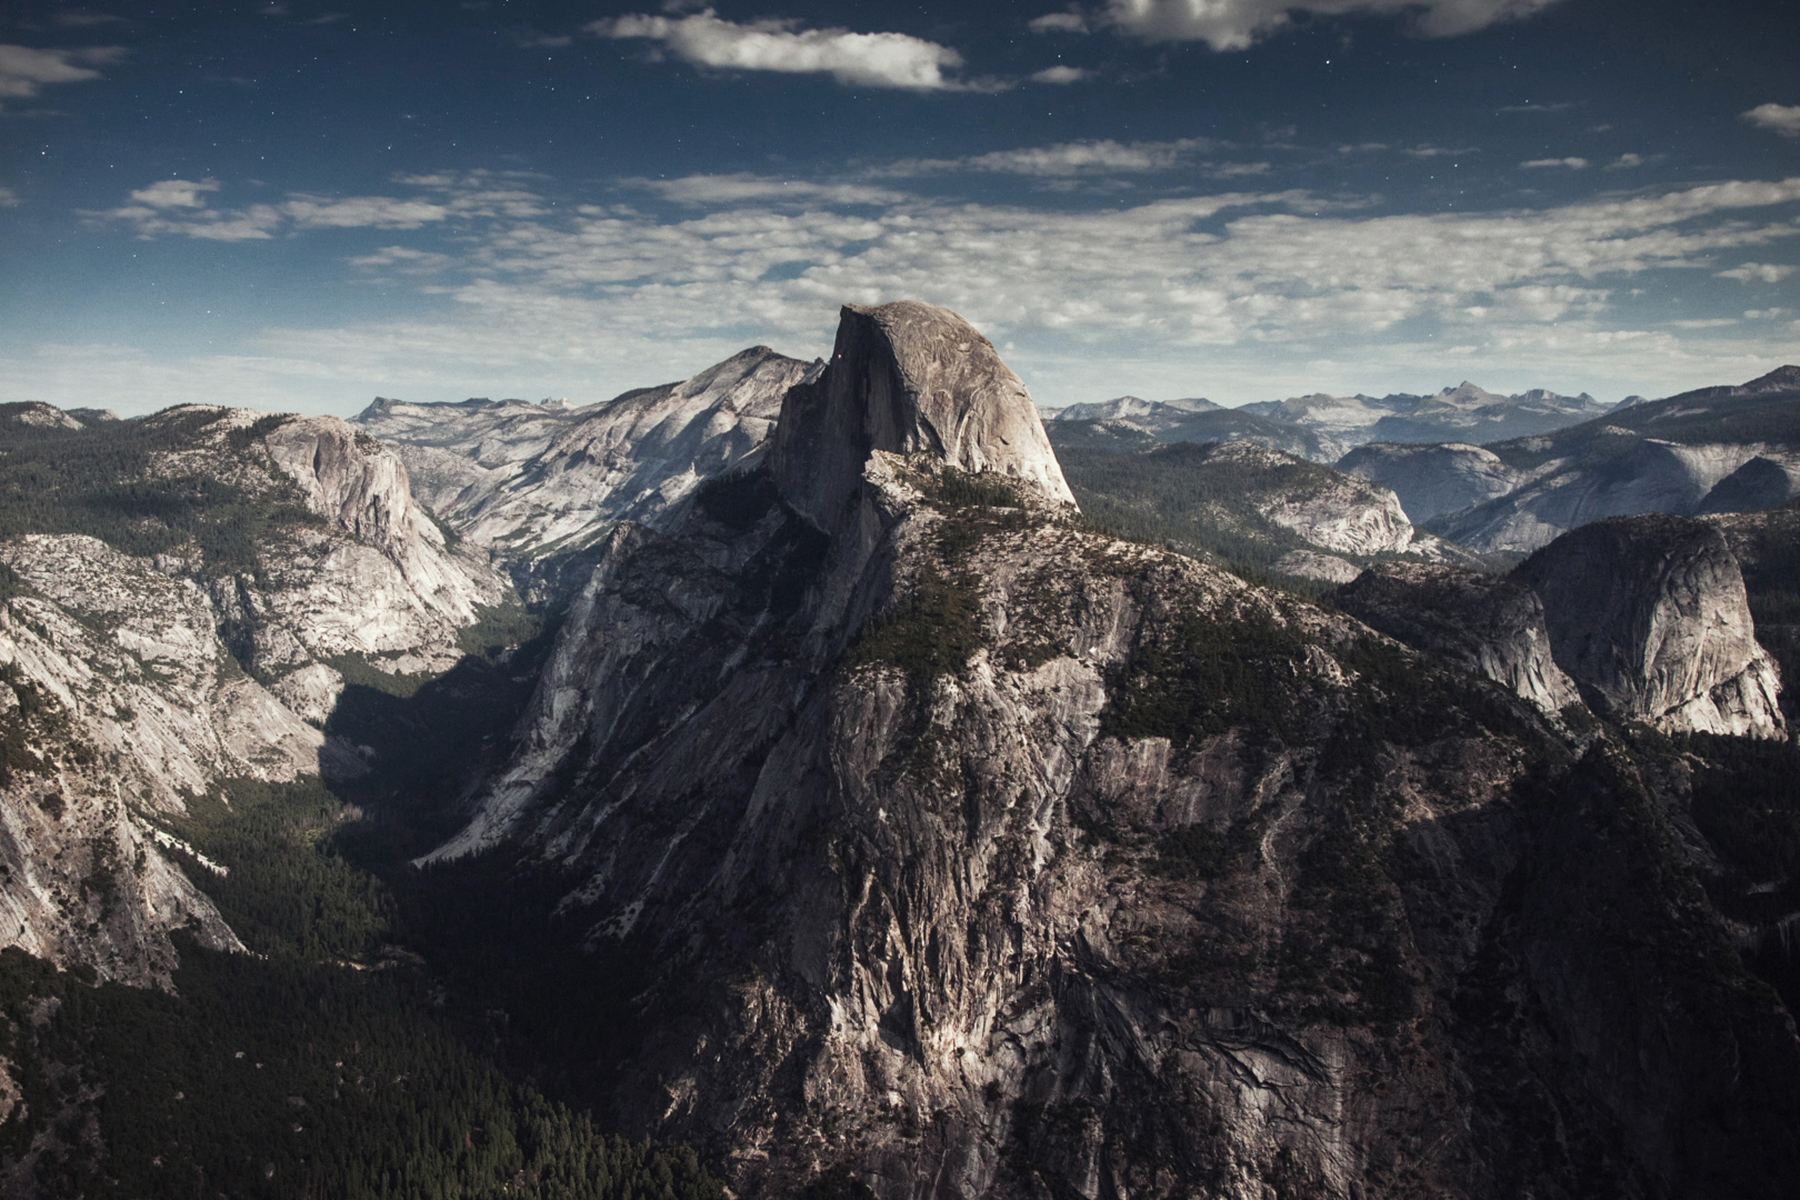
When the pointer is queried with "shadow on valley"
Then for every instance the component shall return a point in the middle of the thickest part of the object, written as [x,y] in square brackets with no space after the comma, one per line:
[350,1054]
[521,985]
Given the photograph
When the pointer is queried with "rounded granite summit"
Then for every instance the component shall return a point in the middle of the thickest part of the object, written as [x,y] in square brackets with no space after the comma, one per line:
[908,378]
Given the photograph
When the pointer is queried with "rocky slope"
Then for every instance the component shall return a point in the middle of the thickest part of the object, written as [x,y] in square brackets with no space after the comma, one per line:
[1251,507]
[1432,481]
[1133,412]
[1713,450]
[1647,618]
[1486,624]
[1139,425]
[458,453]
[923,842]
[1465,413]
[532,482]
[1650,618]
[32,415]
[1767,547]
[182,597]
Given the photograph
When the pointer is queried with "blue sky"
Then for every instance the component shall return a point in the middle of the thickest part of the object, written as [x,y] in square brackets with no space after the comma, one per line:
[302,205]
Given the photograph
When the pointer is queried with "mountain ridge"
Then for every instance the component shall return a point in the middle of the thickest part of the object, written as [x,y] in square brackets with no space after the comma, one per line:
[983,853]
[157,651]
[535,485]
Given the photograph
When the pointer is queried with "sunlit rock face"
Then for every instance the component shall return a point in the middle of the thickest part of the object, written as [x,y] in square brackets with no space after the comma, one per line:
[1331,511]
[138,683]
[1488,625]
[1644,619]
[1433,481]
[928,842]
[908,378]
[537,485]
[1648,615]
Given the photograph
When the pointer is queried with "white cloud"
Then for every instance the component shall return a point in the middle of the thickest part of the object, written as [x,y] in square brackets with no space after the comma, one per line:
[9,198]
[1569,164]
[880,60]
[1061,74]
[1758,273]
[481,193]
[1422,150]
[25,71]
[1239,170]
[1065,159]
[403,260]
[175,193]
[1626,162]
[1783,119]
[1236,24]
[720,190]
[256,223]
[182,207]
[361,212]
[1058,22]
[1238,294]
[1274,273]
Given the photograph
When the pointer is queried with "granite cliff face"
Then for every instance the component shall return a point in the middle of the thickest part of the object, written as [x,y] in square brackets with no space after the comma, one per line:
[533,484]
[1767,547]
[1485,624]
[1333,514]
[117,690]
[456,454]
[907,378]
[930,843]
[271,553]
[1432,481]
[1642,619]
[1649,616]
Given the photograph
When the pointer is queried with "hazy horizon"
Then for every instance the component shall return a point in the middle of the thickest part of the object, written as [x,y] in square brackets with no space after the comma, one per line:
[286,206]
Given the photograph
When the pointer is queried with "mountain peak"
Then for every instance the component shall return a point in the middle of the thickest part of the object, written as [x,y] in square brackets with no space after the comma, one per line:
[377,408]
[732,371]
[907,378]
[1780,379]
[1467,390]
[1121,408]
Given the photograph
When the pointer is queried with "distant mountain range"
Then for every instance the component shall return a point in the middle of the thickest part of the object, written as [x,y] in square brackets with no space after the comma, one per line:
[1323,427]
[1130,423]
[1495,474]
[1464,413]
[1713,450]
[1129,409]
